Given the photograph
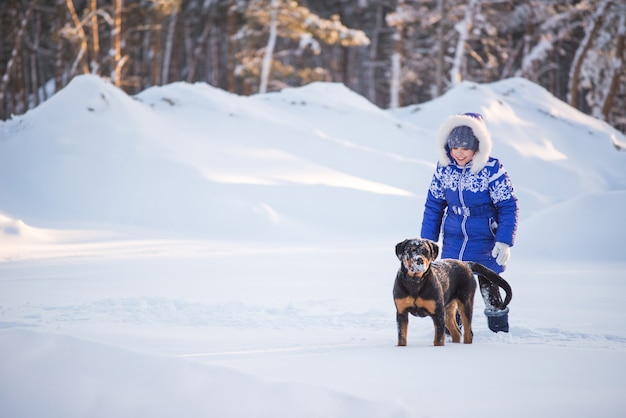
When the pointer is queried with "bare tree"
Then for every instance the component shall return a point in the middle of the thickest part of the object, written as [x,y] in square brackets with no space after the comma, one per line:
[77,34]
[599,63]
[297,26]
[173,9]
[95,37]
[441,7]
[21,33]
[617,71]
[463,28]
[116,35]
[269,48]
[591,32]
[402,16]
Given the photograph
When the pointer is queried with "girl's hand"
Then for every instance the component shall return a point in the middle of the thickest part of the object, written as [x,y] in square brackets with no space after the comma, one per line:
[501,252]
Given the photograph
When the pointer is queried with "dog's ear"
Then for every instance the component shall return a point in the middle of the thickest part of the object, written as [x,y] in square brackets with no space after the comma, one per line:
[400,248]
[434,249]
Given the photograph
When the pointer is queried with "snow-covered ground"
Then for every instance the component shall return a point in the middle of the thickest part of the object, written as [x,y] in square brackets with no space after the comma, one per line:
[189,252]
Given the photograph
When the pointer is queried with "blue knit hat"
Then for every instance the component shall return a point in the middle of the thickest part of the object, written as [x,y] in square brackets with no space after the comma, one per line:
[463,137]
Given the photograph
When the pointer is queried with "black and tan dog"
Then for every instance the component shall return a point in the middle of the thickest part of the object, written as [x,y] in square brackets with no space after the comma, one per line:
[425,287]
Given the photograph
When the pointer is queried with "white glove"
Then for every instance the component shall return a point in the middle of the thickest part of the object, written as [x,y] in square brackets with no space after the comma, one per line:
[501,252]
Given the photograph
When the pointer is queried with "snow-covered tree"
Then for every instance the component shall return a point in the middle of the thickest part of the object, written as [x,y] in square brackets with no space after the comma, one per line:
[418,49]
[599,63]
[463,28]
[405,14]
[298,26]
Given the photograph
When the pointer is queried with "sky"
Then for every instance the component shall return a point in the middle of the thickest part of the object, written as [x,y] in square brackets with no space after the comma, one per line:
[190,252]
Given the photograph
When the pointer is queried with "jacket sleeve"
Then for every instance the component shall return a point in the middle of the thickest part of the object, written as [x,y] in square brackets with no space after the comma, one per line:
[505,201]
[433,211]
[507,221]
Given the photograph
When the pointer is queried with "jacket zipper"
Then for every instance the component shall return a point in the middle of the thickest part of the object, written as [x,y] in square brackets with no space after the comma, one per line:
[465,237]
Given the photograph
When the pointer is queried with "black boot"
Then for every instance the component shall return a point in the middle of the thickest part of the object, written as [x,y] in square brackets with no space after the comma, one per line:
[497,316]
[498,320]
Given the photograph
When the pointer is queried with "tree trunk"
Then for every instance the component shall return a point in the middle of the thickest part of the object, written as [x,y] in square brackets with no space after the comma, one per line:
[230,58]
[80,60]
[373,55]
[456,74]
[618,72]
[169,41]
[396,69]
[94,62]
[269,48]
[441,49]
[193,65]
[16,51]
[581,53]
[116,41]
[34,75]
[58,53]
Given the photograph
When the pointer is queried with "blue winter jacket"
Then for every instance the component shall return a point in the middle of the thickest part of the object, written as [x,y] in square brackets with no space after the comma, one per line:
[475,204]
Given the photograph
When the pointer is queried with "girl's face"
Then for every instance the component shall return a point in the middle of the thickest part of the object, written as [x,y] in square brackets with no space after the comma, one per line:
[462,156]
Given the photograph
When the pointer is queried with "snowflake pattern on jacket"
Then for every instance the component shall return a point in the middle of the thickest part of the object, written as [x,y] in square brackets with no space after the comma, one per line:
[449,178]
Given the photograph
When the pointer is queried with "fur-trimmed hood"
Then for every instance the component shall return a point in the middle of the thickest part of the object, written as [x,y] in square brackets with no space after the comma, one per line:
[480,132]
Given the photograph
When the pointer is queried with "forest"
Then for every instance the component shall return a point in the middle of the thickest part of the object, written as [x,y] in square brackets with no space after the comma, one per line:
[393,52]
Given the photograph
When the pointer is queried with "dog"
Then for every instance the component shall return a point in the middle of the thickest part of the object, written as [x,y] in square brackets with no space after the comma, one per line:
[425,287]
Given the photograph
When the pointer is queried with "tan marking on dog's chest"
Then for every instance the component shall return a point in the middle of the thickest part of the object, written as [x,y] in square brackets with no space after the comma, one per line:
[402,304]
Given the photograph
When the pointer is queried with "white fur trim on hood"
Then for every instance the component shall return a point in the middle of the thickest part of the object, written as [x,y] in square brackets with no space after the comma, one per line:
[480,132]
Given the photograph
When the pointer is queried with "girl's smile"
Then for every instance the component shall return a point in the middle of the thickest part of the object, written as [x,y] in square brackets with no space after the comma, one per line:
[462,156]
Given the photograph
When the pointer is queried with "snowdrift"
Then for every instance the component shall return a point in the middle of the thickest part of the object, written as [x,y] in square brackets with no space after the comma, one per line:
[192,161]
[81,379]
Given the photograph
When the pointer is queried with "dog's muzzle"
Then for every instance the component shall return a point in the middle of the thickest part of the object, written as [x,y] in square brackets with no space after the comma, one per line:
[415,263]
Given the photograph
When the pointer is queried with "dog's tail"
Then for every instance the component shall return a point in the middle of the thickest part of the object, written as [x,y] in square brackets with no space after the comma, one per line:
[494,278]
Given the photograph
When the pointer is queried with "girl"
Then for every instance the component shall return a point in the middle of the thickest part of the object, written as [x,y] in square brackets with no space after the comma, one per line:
[472,196]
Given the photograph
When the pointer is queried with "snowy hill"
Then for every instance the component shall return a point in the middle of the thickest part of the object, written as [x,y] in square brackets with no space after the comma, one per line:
[194,161]
[158,252]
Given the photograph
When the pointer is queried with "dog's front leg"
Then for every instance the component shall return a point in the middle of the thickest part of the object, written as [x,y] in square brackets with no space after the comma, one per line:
[403,326]
[439,322]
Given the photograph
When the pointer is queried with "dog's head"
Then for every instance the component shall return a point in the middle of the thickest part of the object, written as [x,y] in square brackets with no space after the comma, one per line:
[416,255]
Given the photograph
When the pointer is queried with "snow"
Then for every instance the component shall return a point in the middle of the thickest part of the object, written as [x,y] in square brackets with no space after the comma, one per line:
[190,252]
[537,53]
